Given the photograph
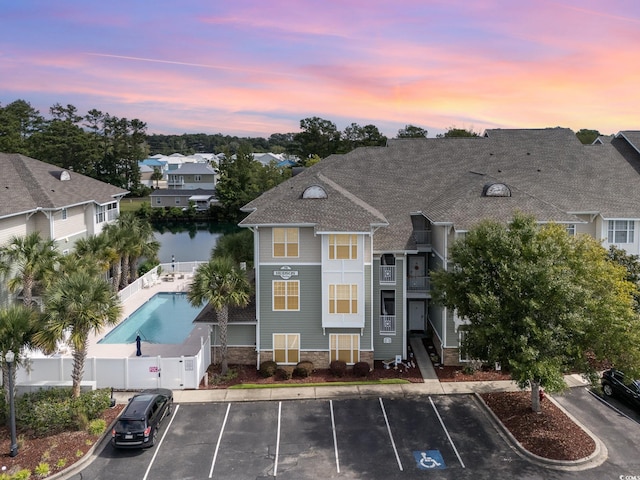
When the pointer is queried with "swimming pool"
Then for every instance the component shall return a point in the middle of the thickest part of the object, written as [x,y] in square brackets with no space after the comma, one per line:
[165,318]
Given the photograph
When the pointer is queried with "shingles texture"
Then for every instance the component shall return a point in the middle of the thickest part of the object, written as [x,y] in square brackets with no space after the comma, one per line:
[27,184]
[551,175]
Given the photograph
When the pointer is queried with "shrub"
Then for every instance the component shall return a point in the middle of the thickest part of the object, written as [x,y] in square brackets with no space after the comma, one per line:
[303,369]
[268,368]
[97,427]
[361,369]
[284,373]
[24,474]
[42,469]
[61,463]
[338,368]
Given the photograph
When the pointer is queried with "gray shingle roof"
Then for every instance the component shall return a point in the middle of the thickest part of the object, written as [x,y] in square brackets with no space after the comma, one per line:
[27,184]
[552,176]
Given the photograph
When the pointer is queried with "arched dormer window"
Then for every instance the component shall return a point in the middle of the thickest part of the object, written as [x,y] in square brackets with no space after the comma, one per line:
[496,190]
[314,191]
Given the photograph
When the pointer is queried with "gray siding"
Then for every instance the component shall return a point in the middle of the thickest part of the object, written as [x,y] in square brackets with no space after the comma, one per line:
[310,247]
[237,335]
[385,351]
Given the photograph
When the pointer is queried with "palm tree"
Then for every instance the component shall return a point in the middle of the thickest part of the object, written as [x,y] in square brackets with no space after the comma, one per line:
[32,257]
[138,241]
[221,284]
[18,325]
[79,303]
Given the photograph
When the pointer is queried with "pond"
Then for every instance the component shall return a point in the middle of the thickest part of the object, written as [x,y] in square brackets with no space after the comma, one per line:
[189,242]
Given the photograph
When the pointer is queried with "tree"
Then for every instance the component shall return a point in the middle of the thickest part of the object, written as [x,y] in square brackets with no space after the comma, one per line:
[587,136]
[31,257]
[631,263]
[156,176]
[238,183]
[18,325]
[137,241]
[355,136]
[18,122]
[457,132]
[540,301]
[221,284]
[238,246]
[412,131]
[318,136]
[79,303]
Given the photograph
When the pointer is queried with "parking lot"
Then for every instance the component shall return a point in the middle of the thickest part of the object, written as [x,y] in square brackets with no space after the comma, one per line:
[348,438]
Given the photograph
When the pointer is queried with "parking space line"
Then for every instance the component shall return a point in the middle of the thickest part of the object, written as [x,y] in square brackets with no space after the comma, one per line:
[275,464]
[215,454]
[447,432]
[386,420]
[335,438]
[157,447]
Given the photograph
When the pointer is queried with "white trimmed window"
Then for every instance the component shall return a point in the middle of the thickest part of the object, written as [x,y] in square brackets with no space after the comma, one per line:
[571,229]
[461,356]
[100,214]
[343,247]
[286,295]
[345,347]
[286,347]
[620,231]
[285,242]
[64,214]
[343,298]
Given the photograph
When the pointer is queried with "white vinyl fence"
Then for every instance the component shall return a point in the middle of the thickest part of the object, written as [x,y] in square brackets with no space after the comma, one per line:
[131,373]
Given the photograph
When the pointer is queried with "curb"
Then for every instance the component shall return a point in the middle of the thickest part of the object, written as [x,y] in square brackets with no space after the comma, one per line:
[598,457]
[86,459]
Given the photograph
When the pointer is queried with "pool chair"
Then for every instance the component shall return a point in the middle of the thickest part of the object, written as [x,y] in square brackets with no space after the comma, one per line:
[145,282]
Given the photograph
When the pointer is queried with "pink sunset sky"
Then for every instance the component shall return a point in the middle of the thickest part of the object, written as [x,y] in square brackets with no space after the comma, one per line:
[253,68]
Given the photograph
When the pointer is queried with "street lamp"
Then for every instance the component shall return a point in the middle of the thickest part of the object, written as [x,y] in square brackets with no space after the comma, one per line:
[173,263]
[10,357]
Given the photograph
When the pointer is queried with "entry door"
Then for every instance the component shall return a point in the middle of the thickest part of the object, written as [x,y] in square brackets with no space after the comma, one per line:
[416,316]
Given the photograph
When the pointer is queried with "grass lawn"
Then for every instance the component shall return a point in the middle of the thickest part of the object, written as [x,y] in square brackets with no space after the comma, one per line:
[132,204]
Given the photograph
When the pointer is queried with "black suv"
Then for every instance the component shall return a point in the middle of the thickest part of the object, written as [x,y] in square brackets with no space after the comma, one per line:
[137,426]
[615,383]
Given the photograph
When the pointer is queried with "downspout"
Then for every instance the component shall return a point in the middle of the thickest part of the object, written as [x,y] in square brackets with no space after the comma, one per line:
[445,262]
[405,320]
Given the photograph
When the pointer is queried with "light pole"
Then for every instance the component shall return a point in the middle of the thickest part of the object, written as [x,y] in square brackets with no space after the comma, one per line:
[173,263]
[10,357]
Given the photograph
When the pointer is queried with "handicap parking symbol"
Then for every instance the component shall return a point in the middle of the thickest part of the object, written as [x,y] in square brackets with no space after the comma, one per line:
[429,460]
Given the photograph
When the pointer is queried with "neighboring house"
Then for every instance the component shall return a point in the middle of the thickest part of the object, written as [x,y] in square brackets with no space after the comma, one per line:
[344,250]
[279,159]
[145,175]
[182,198]
[62,205]
[191,176]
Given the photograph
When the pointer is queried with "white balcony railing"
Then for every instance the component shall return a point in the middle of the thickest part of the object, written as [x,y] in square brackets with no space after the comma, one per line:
[387,324]
[418,284]
[387,274]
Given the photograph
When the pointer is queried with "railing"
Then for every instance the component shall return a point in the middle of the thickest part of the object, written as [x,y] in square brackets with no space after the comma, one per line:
[419,284]
[387,274]
[387,324]
[422,237]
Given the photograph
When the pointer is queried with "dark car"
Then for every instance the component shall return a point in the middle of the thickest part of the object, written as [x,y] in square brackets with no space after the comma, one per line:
[614,383]
[138,425]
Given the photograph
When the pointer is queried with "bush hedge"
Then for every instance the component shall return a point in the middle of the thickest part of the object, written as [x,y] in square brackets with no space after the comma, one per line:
[284,373]
[338,368]
[303,369]
[361,369]
[268,368]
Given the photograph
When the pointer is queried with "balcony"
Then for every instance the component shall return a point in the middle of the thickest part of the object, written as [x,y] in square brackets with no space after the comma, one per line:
[422,238]
[419,284]
[387,324]
[388,274]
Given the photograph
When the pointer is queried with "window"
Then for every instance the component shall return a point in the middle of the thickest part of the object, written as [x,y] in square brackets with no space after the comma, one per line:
[197,178]
[158,201]
[100,214]
[64,214]
[343,247]
[345,347]
[620,231]
[571,229]
[286,347]
[343,299]
[178,201]
[285,242]
[286,295]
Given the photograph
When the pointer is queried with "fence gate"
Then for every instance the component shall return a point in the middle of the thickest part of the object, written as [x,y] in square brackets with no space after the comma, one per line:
[172,373]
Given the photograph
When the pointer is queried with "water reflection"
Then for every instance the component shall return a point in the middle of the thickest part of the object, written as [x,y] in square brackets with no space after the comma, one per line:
[189,242]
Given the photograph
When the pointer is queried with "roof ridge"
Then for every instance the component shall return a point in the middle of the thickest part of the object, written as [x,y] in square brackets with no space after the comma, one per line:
[38,193]
[358,201]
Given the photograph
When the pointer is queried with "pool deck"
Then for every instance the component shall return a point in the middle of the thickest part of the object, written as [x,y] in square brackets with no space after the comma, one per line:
[189,347]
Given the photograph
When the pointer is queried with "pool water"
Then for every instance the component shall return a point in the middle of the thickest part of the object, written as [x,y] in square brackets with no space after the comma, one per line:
[165,318]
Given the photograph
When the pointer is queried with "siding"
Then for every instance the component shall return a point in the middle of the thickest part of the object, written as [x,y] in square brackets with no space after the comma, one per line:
[74,224]
[237,335]
[309,247]
[385,351]
[12,227]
